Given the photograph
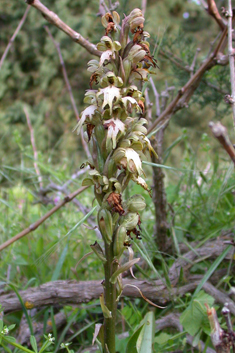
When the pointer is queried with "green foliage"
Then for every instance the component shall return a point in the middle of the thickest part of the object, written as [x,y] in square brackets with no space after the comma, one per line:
[194,318]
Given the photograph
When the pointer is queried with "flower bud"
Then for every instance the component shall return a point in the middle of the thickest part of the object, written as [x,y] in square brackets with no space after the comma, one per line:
[136,54]
[119,240]
[136,203]
[137,22]
[131,220]
[135,13]
[105,223]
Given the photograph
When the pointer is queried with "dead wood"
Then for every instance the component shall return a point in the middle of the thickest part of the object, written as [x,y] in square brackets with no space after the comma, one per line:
[74,293]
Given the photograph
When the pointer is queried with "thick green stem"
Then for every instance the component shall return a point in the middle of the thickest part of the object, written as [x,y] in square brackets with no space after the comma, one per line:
[110,295]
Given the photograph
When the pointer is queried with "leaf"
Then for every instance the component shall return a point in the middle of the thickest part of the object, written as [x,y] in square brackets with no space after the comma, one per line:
[121,269]
[59,264]
[29,321]
[106,312]
[131,344]
[193,317]
[144,342]
[96,332]
[211,270]
[34,343]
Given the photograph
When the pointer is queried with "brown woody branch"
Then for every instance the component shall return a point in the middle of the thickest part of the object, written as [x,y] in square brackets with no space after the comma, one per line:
[51,17]
[213,11]
[220,132]
[35,225]
[22,21]
[74,293]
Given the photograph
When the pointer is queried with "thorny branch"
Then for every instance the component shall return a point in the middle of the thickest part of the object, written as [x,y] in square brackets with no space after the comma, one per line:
[35,225]
[53,18]
[22,21]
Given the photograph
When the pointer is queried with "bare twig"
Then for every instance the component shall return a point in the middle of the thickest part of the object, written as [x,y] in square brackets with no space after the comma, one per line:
[56,21]
[213,11]
[231,57]
[156,95]
[14,36]
[186,92]
[35,153]
[143,6]
[175,61]
[57,46]
[148,106]
[220,132]
[35,225]
[194,61]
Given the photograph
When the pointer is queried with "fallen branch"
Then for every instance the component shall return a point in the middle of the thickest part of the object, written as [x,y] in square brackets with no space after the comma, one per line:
[74,293]
[22,21]
[51,17]
[211,249]
[35,225]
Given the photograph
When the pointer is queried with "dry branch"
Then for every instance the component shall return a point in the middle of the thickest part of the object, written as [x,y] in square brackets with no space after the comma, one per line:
[35,225]
[74,293]
[213,11]
[220,132]
[22,21]
[51,17]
